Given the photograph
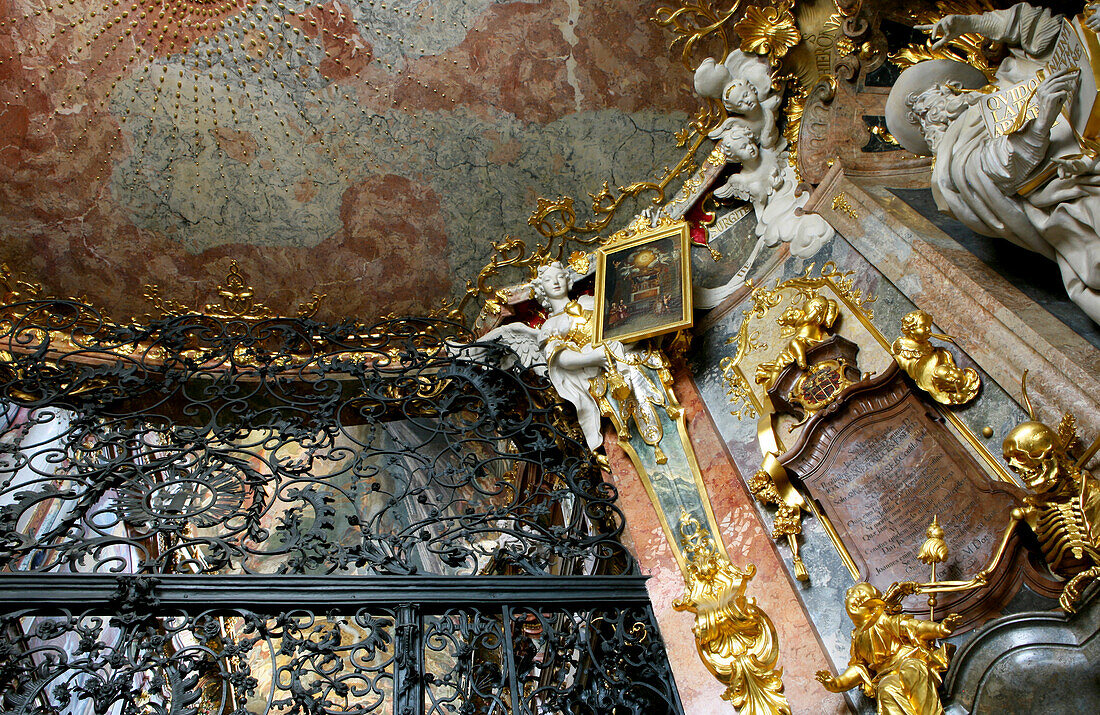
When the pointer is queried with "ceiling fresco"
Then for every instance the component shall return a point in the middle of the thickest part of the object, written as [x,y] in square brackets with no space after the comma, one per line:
[368,150]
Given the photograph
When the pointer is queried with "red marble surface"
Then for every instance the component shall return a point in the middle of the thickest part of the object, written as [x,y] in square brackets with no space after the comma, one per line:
[747,540]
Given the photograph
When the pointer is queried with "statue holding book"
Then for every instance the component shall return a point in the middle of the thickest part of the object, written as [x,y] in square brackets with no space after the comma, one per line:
[1018,158]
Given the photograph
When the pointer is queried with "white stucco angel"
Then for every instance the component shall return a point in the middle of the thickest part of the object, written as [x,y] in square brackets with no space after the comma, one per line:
[1025,177]
[580,371]
[750,136]
[743,84]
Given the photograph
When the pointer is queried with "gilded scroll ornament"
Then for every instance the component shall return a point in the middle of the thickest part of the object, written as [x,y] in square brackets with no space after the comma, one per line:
[695,22]
[933,369]
[735,638]
[893,659]
[15,286]
[238,301]
[841,203]
[788,516]
[1062,511]
[768,31]
[968,47]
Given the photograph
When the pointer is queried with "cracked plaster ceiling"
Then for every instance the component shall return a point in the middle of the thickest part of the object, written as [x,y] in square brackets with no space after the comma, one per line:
[369,150]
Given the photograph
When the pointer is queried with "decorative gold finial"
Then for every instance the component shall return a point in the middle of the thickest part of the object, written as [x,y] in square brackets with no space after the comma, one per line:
[933,551]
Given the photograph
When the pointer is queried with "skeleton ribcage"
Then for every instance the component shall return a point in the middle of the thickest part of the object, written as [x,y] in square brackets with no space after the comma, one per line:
[1064,537]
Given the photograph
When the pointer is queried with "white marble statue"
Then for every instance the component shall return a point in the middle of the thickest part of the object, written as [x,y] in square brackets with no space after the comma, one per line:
[751,137]
[564,344]
[743,84]
[985,174]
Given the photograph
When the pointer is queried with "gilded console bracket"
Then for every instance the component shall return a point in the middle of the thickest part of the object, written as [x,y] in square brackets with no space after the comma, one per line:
[735,638]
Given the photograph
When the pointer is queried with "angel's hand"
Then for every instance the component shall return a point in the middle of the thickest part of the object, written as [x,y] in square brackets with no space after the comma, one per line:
[948,28]
[951,622]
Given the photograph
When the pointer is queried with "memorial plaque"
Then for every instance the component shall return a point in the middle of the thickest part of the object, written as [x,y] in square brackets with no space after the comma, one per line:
[881,463]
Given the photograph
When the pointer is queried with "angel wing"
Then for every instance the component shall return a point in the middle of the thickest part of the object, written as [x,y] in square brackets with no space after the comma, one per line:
[521,338]
[716,133]
[753,68]
[733,188]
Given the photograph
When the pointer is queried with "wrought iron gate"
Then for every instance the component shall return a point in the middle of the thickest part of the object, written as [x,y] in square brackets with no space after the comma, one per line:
[236,514]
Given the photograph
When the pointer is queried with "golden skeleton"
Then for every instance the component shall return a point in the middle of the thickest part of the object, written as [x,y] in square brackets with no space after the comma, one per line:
[1063,511]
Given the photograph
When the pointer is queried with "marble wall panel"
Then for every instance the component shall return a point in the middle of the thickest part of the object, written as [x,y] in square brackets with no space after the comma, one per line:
[822,595]
[747,541]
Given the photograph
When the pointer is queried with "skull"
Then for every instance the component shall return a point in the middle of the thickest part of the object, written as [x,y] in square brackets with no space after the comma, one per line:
[1032,450]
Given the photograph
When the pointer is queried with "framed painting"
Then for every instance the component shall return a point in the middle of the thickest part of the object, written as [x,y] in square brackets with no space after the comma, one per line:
[643,285]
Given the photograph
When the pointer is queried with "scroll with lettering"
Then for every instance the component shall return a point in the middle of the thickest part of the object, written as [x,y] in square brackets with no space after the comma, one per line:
[1075,133]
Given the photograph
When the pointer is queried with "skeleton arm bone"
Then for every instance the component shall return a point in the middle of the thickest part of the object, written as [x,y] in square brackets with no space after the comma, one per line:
[982,577]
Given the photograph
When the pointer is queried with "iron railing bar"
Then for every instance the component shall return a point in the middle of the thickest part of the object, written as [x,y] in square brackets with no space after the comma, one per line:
[510,657]
[269,593]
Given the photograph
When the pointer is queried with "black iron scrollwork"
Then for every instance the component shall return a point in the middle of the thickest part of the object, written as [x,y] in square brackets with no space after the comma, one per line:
[287,446]
[284,516]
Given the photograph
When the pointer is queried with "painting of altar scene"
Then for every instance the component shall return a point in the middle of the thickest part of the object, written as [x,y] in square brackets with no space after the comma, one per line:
[643,286]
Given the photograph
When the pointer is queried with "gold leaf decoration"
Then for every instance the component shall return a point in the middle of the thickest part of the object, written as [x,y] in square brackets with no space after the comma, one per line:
[238,301]
[735,638]
[768,31]
[968,48]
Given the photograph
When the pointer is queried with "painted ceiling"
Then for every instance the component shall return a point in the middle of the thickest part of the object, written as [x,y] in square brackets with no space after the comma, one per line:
[368,150]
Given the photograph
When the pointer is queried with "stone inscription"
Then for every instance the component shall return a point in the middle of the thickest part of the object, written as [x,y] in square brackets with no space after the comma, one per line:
[887,481]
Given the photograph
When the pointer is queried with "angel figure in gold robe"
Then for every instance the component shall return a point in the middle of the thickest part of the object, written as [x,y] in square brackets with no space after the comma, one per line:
[933,368]
[893,658]
[810,325]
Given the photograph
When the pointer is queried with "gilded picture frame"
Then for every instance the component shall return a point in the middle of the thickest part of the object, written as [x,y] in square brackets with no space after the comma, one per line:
[643,285]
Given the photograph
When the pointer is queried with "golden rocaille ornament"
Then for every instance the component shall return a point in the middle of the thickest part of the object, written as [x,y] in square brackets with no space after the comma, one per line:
[735,638]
